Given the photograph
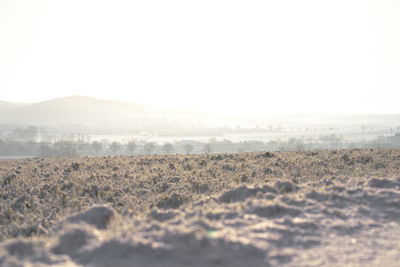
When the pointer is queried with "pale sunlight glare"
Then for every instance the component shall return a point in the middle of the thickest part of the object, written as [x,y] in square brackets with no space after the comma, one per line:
[240,57]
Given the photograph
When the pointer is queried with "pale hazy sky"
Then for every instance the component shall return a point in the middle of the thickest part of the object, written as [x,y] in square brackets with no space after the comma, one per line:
[253,57]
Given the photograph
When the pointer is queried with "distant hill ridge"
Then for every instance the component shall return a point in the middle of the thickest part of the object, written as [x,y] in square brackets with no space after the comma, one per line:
[5,104]
[85,103]
[92,112]
[72,110]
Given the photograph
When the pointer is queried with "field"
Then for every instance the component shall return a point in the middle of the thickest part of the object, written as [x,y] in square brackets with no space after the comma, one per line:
[311,208]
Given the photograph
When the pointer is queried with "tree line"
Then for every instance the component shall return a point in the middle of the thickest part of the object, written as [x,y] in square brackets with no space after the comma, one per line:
[104,148]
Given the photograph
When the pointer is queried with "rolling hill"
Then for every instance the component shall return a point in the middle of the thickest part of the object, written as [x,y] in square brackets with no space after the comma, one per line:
[90,112]
[74,110]
[5,104]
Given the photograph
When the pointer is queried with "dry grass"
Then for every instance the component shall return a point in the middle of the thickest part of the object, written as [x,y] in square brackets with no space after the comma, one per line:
[36,193]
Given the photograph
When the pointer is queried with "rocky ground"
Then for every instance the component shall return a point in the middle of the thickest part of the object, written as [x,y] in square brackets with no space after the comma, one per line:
[314,208]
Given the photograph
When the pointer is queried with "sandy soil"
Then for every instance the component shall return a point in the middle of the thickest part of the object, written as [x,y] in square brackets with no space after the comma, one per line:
[319,208]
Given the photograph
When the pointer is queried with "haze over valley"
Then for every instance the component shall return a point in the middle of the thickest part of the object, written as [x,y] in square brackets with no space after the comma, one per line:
[86,126]
[104,116]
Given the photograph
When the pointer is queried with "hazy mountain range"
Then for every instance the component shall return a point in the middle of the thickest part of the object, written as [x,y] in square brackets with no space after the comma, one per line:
[81,110]
[92,112]
[5,104]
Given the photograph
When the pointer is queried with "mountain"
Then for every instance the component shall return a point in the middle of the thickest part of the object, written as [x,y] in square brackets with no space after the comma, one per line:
[74,110]
[80,112]
[5,104]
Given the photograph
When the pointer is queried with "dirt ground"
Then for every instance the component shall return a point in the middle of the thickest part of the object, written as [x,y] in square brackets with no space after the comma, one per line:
[311,208]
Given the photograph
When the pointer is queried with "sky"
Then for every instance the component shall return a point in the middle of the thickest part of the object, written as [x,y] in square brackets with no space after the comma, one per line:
[226,57]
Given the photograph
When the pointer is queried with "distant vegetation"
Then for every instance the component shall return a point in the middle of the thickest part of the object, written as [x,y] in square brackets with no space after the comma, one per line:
[83,147]
[85,126]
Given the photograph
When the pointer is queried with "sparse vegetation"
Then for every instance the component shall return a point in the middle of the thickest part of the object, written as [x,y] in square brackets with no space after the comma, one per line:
[149,147]
[188,148]
[115,147]
[188,201]
[131,146]
[36,193]
[168,148]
